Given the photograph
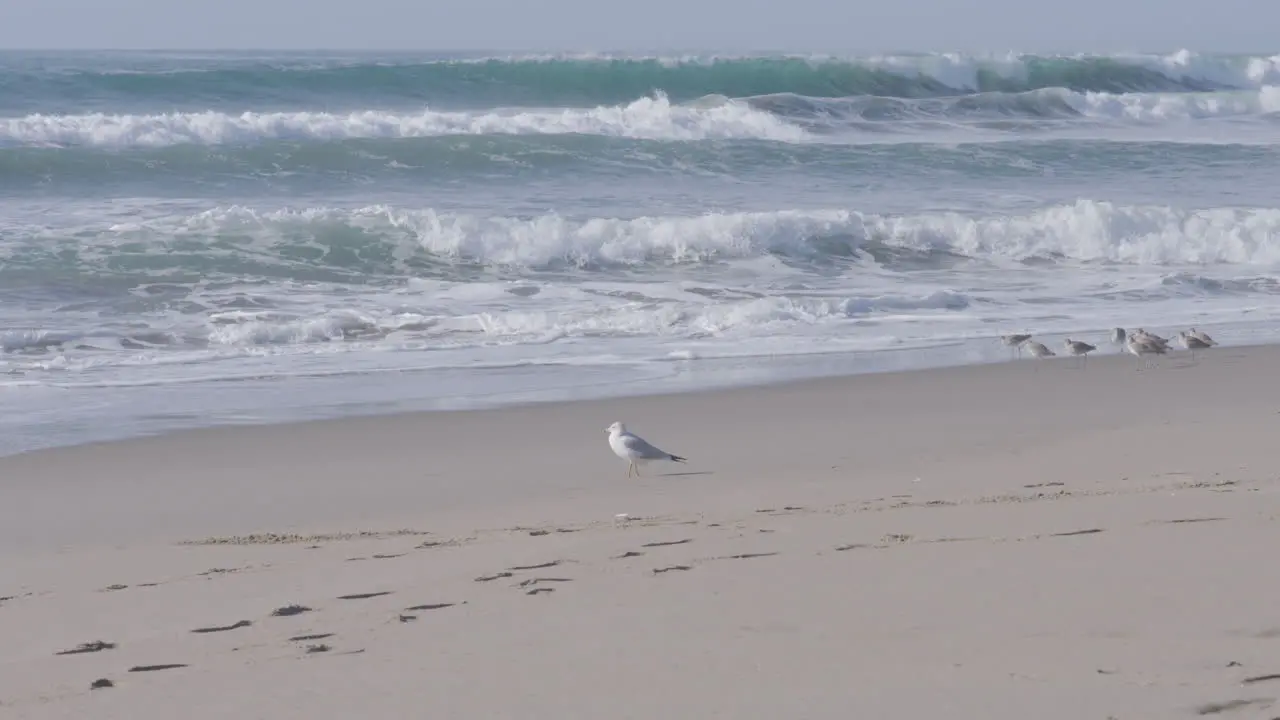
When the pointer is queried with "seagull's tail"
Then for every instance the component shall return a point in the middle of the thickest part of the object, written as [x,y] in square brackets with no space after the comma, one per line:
[676,458]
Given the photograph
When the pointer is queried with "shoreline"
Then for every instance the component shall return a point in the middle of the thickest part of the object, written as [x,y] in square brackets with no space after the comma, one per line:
[1004,539]
[114,417]
[357,440]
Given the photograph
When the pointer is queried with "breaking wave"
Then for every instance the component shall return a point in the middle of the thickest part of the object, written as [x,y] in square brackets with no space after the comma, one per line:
[291,80]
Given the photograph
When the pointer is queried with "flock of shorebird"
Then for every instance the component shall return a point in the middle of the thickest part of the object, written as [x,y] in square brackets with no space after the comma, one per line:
[1139,343]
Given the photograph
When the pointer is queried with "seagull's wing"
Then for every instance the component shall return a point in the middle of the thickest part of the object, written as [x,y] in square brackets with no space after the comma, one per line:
[643,449]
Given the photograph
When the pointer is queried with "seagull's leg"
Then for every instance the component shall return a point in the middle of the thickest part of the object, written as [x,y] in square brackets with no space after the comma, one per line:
[631,465]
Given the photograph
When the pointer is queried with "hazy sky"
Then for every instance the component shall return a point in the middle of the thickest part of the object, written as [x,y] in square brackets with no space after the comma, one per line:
[822,25]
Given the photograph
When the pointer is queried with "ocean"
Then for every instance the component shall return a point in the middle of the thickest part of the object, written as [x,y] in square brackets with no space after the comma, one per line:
[195,239]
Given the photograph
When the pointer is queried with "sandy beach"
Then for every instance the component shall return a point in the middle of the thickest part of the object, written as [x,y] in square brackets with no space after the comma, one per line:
[1029,539]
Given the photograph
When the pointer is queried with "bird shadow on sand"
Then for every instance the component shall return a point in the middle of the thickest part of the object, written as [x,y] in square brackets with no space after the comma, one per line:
[685,474]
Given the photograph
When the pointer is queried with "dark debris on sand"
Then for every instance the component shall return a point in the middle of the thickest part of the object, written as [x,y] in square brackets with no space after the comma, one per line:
[89,647]
[289,610]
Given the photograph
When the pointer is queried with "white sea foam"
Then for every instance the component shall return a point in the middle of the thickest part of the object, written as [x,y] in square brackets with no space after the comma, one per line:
[639,289]
[651,118]
[962,70]
[646,118]
[1083,231]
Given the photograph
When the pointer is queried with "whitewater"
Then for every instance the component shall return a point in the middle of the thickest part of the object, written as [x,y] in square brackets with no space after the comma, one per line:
[190,240]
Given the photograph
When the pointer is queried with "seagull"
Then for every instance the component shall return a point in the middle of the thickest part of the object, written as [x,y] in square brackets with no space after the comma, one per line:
[1118,337]
[635,449]
[1015,341]
[1194,342]
[1141,345]
[1076,347]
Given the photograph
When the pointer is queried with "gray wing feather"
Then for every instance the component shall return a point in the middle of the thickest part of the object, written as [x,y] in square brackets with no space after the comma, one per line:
[642,448]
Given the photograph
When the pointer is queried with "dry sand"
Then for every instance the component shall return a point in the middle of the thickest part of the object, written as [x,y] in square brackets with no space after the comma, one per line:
[1028,540]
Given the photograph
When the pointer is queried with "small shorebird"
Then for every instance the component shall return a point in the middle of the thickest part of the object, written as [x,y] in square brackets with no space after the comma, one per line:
[1038,349]
[635,449]
[1141,346]
[1151,337]
[1014,342]
[1076,347]
[1118,336]
[1202,337]
[1194,343]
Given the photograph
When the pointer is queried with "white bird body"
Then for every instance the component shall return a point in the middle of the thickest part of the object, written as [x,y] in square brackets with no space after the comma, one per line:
[1038,349]
[1202,337]
[634,449]
[1194,342]
[1118,336]
[1140,346]
[1014,342]
[1151,337]
[1076,347]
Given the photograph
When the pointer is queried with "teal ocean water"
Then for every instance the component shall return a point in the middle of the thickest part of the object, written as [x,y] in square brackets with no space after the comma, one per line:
[203,238]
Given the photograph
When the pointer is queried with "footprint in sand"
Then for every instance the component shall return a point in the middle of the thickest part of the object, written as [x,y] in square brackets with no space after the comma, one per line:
[541,566]
[1215,708]
[667,543]
[306,638]
[89,647]
[218,571]
[495,576]
[535,581]
[434,606]
[1090,531]
[364,596]
[153,668]
[659,571]
[788,508]
[290,610]
[223,628]
[628,554]
[537,591]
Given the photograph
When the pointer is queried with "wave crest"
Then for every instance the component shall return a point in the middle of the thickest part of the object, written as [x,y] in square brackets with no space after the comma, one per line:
[647,118]
[585,80]
[378,243]
[784,118]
